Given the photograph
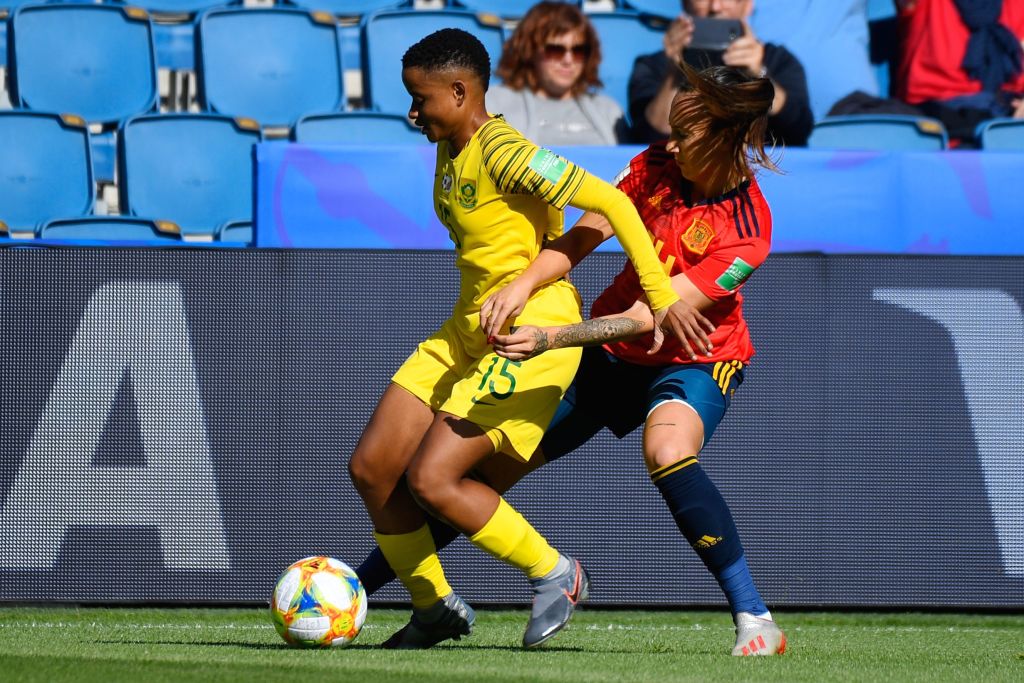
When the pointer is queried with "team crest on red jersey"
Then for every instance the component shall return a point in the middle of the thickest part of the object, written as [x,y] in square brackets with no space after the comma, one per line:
[698,236]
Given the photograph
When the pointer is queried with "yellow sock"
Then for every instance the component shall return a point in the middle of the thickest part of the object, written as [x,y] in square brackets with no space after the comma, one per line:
[510,538]
[414,559]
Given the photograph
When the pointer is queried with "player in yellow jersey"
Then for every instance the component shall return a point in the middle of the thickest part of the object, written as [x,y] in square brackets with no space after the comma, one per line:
[454,402]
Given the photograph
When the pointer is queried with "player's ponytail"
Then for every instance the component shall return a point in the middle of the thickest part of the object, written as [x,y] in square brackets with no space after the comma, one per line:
[731,108]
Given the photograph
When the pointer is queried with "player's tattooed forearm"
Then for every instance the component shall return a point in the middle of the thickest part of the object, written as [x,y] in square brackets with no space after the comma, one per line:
[590,332]
[541,337]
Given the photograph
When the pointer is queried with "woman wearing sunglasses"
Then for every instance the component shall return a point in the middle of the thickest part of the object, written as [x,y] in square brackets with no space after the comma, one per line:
[549,73]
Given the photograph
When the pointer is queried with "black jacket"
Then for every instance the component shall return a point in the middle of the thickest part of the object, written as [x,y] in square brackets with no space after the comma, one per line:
[791,126]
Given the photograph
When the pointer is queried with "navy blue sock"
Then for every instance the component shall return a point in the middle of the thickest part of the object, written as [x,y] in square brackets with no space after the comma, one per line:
[375,572]
[703,516]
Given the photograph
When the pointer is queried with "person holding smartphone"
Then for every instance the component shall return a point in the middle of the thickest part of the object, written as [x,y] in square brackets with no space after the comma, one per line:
[656,77]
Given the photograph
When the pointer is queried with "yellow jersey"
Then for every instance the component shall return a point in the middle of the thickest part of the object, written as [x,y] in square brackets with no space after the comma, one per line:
[499,198]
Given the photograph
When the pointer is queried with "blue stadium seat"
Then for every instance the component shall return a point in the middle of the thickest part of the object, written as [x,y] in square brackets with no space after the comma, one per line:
[45,170]
[119,229]
[357,127]
[624,37]
[658,8]
[237,232]
[387,35]
[830,38]
[174,28]
[272,65]
[507,9]
[95,61]
[349,11]
[193,169]
[348,8]
[1005,135]
[6,7]
[881,132]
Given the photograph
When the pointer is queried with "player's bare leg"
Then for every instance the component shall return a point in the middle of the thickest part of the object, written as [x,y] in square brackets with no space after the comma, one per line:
[438,478]
[377,469]
[384,451]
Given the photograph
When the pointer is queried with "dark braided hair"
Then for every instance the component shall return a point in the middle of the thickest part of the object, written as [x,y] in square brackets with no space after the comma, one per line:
[450,48]
[724,104]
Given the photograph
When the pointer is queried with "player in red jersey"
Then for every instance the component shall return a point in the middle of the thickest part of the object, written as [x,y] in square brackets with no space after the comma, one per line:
[711,226]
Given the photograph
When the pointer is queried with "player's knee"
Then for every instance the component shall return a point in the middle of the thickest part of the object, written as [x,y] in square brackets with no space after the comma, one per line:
[365,471]
[665,454]
[427,486]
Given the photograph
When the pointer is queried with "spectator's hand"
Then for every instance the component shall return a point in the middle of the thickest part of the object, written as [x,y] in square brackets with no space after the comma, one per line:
[507,302]
[677,37]
[521,343]
[746,52]
[1018,107]
[687,324]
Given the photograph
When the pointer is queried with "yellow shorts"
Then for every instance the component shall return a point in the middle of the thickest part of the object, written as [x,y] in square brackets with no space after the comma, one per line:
[455,371]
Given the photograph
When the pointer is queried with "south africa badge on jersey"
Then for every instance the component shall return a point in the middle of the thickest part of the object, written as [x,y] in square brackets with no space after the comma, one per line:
[467,194]
[446,183]
[698,236]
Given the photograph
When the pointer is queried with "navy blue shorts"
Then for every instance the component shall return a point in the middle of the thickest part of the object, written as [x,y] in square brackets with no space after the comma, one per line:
[613,393]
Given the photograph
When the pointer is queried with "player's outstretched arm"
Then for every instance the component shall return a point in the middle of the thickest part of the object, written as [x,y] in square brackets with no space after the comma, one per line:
[670,314]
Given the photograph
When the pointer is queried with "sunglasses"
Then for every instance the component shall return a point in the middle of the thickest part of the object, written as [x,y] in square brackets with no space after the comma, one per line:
[555,52]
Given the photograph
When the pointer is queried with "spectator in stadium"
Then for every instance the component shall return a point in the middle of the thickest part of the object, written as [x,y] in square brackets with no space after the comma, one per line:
[698,196]
[656,77]
[549,72]
[454,403]
[960,61]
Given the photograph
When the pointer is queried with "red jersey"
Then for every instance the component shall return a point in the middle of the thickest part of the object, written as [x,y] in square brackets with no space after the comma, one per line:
[717,242]
[934,41]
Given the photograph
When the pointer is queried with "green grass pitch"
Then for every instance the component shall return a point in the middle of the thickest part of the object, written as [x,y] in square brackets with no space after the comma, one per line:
[155,645]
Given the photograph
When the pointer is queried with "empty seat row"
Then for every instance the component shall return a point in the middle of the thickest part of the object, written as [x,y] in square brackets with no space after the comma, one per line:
[269,65]
[272,64]
[188,174]
[129,231]
[909,133]
[180,175]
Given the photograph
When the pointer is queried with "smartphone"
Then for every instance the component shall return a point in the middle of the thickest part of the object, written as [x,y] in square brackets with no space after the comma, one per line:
[714,34]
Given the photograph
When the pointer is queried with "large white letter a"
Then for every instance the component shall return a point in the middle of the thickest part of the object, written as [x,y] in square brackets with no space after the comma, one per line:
[137,329]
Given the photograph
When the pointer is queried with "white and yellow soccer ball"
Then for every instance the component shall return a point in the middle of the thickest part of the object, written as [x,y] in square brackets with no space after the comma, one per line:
[318,602]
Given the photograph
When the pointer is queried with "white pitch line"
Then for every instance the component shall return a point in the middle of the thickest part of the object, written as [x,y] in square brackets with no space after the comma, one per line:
[832,629]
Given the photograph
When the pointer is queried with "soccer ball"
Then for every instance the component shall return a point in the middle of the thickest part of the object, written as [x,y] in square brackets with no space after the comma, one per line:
[318,602]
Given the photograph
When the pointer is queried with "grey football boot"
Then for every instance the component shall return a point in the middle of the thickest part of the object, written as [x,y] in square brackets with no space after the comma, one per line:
[554,600]
[757,637]
[451,618]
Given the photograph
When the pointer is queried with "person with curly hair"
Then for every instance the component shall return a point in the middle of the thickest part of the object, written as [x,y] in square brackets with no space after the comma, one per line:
[550,90]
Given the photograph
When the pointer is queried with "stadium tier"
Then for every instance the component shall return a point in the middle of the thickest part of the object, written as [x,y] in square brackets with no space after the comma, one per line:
[309,61]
